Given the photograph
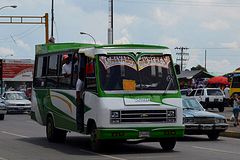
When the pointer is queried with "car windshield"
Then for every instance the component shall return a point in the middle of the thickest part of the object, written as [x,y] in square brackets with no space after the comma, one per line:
[149,72]
[192,103]
[15,96]
[214,92]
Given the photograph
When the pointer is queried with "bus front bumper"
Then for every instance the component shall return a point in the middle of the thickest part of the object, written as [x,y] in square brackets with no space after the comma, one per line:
[139,133]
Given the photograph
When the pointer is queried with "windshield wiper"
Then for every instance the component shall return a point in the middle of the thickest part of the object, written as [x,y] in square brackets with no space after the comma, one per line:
[169,84]
[188,108]
[148,85]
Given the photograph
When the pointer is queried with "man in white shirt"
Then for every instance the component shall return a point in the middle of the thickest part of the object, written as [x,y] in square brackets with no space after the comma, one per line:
[80,105]
[67,66]
[227,95]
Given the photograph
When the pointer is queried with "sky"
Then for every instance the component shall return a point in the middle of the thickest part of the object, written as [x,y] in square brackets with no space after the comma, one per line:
[211,26]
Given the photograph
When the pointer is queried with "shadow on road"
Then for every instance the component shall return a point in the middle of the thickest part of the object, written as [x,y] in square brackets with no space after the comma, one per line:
[80,145]
[189,138]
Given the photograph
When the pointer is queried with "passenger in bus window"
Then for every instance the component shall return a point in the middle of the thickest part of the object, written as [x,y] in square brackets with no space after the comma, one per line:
[67,66]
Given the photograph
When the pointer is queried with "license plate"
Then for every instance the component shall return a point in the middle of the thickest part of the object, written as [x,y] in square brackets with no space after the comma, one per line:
[207,127]
[215,100]
[144,134]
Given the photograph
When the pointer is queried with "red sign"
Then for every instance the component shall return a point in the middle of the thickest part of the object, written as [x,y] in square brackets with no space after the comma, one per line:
[17,69]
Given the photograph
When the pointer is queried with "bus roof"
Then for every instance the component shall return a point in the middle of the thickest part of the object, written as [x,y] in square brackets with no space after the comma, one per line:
[92,49]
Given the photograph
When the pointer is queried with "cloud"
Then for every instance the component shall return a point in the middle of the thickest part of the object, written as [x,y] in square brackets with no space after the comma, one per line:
[123,40]
[233,45]
[170,42]
[194,59]
[23,45]
[124,22]
[164,18]
[5,52]
[215,25]
[218,65]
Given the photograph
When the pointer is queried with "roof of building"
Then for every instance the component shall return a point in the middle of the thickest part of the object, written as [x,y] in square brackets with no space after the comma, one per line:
[194,74]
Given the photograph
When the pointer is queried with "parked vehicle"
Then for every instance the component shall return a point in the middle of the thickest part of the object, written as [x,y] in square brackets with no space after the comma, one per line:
[197,121]
[3,109]
[210,97]
[16,101]
[185,92]
[234,85]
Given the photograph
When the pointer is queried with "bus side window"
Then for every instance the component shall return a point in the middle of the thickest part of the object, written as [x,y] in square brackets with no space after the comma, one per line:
[52,69]
[90,75]
[40,72]
[65,82]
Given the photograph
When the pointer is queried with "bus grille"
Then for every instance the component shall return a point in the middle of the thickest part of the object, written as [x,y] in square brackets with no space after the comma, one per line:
[145,116]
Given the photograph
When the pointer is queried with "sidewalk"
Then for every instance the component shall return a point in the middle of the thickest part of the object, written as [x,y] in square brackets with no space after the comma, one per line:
[231,131]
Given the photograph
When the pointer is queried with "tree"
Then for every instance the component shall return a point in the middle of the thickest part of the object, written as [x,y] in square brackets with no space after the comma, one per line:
[198,67]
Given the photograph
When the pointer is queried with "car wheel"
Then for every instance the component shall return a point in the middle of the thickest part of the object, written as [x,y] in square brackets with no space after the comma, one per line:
[95,143]
[221,109]
[213,136]
[168,144]
[54,134]
[1,116]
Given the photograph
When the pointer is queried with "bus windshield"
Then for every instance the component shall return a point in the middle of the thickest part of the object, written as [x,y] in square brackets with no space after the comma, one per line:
[236,81]
[148,72]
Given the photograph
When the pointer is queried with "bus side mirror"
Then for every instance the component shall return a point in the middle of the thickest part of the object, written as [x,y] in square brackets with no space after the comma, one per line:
[177,68]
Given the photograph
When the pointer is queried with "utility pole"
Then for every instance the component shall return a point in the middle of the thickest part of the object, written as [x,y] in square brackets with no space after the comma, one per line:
[52,21]
[110,27]
[182,57]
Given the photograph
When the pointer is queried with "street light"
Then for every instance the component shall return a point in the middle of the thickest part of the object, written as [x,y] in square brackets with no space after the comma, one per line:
[12,6]
[89,35]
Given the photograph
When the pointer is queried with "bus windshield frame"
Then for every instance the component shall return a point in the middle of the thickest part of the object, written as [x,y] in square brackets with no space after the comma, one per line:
[127,73]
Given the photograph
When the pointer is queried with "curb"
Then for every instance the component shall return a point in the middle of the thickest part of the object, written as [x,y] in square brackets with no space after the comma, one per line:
[231,134]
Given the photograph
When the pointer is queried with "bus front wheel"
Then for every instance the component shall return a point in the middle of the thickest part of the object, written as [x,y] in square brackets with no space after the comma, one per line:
[95,142]
[168,144]
[54,134]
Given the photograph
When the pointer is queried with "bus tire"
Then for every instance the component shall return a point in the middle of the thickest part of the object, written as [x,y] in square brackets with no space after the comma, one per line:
[168,144]
[54,134]
[1,116]
[95,143]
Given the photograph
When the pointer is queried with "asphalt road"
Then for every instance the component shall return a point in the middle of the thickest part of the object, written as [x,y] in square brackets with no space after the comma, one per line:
[23,139]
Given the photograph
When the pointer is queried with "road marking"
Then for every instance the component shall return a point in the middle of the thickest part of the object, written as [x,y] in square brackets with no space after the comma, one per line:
[102,155]
[13,134]
[216,150]
[1,158]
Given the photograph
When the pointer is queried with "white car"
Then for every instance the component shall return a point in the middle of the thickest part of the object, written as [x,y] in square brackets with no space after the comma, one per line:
[16,101]
[3,109]
[209,97]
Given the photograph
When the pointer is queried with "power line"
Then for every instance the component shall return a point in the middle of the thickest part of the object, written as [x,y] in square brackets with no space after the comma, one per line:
[184,3]
[20,35]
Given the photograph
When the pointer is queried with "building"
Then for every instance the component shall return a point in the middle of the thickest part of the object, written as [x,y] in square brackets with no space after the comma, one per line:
[192,79]
[16,74]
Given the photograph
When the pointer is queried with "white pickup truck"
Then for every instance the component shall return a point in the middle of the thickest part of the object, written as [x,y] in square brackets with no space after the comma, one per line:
[210,97]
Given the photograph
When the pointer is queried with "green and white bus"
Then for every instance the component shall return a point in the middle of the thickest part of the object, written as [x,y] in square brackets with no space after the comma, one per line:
[131,93]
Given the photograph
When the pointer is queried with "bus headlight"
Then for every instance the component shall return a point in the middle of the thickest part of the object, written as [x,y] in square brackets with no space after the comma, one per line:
[171,113]
[115,114]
